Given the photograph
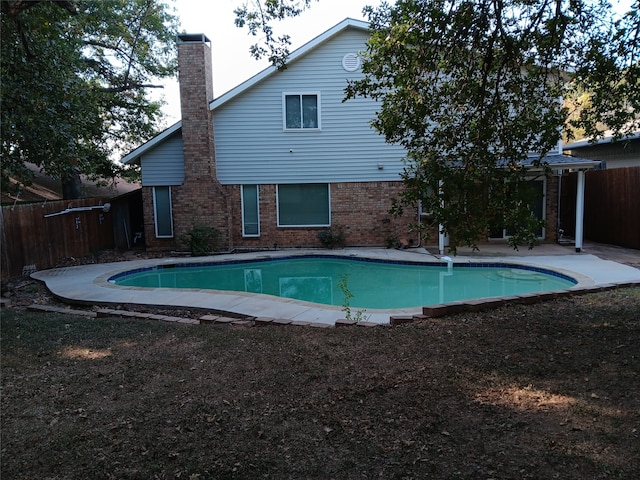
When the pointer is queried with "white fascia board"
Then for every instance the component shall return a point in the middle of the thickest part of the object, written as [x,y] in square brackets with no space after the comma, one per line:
[296,54]
[135,155]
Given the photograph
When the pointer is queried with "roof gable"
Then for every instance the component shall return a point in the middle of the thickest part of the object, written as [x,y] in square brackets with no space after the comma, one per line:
[134,156]
[293,57]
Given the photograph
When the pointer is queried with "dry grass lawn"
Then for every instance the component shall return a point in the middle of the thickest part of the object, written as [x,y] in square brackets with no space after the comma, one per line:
[524,392]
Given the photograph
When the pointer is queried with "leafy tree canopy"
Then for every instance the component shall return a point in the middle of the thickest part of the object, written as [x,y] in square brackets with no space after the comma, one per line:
[471,88]
[75,83]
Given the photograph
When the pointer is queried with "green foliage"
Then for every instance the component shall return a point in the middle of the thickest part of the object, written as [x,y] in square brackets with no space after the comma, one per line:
[201,240]
[332,237]
[258,16]
[75,84]
[392,241]
[469,88]
[359,315]
[607,80]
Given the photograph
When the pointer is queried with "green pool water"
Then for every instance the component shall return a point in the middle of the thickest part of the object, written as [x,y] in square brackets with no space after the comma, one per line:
[374,284]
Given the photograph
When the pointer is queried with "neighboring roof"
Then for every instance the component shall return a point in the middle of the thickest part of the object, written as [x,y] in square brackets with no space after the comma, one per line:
[585,142]
[47,188]
[134,156]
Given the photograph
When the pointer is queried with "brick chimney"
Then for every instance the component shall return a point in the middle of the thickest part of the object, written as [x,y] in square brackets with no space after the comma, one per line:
[201,199]
[196,91]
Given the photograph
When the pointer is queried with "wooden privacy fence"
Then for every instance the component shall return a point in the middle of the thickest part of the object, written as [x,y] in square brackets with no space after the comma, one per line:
[32,241]
[611,206]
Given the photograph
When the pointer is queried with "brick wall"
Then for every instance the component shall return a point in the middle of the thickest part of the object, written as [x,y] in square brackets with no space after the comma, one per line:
[360,210]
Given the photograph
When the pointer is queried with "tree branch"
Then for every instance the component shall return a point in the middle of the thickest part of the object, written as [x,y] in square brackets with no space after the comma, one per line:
[129,86]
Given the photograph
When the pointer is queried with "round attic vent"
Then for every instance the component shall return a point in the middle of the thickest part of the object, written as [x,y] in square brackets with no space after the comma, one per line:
[351,62]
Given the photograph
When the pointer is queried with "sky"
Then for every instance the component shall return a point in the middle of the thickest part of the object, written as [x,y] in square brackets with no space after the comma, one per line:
[231,61]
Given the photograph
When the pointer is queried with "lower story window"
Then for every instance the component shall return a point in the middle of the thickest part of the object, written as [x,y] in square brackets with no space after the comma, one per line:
[303,205]
[250,211]
[162,212]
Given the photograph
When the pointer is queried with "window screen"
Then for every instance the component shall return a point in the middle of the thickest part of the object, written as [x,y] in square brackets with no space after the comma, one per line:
[162,211]
[303,205]
[301,111]
[250,211]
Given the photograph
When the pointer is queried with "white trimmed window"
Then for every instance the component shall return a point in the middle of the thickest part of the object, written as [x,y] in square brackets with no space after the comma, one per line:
[162,212]
[301,111]
[303,205]
[250,211]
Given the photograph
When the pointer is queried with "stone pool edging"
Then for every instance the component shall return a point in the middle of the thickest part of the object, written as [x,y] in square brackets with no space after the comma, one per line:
[428,312]
[88,286]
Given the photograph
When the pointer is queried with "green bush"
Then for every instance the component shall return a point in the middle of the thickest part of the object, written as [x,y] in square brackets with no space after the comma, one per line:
[392,241]
[331,237]
[201,240]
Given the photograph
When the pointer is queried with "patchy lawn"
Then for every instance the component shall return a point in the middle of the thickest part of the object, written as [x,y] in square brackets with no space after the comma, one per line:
[524,392]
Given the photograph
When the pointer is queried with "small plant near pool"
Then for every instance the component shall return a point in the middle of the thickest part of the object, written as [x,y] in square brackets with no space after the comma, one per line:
[359,315]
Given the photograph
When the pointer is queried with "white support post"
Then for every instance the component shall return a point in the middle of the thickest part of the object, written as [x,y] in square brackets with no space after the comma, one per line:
[579,210]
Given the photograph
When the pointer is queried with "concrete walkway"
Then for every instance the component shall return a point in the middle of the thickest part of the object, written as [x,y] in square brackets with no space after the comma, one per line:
[88,284]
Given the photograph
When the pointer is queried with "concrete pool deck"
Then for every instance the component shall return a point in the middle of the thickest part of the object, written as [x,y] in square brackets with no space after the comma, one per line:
[87,284]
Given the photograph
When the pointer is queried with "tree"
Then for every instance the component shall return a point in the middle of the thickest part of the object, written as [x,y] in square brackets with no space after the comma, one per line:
[75,84]
[607,81]
[471,87]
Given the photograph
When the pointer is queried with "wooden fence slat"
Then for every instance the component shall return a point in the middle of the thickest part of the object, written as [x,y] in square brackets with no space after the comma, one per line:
[28,238]
[612,206]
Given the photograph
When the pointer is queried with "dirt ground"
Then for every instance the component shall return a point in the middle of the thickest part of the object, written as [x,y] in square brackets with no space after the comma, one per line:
[541,391]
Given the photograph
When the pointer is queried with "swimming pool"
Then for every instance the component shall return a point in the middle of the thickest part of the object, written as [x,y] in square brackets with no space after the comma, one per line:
[374,284]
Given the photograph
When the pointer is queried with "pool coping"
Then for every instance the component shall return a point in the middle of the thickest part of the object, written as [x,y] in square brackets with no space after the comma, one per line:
[88,284]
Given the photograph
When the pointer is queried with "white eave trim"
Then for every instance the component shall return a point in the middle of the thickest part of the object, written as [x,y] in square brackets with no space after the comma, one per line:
[131,157]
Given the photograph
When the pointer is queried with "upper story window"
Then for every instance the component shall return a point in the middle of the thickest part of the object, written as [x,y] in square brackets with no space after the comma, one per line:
[301,111]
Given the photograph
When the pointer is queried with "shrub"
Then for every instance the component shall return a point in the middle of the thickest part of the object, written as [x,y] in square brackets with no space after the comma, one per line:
[392,241]
[331,237]
[200,239]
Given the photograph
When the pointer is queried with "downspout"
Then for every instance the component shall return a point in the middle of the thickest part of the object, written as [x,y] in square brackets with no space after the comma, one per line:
[419,225]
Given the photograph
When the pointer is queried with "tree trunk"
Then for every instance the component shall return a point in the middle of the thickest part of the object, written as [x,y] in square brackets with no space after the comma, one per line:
[71,185]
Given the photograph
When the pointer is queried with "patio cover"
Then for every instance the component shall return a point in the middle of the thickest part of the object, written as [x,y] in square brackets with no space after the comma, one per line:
[558,163]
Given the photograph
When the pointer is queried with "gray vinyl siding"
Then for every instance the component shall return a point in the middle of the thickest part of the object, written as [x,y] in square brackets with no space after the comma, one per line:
[164,164]
[252,148]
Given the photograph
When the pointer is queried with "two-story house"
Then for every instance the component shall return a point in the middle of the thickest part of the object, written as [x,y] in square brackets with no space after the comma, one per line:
[281,156]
